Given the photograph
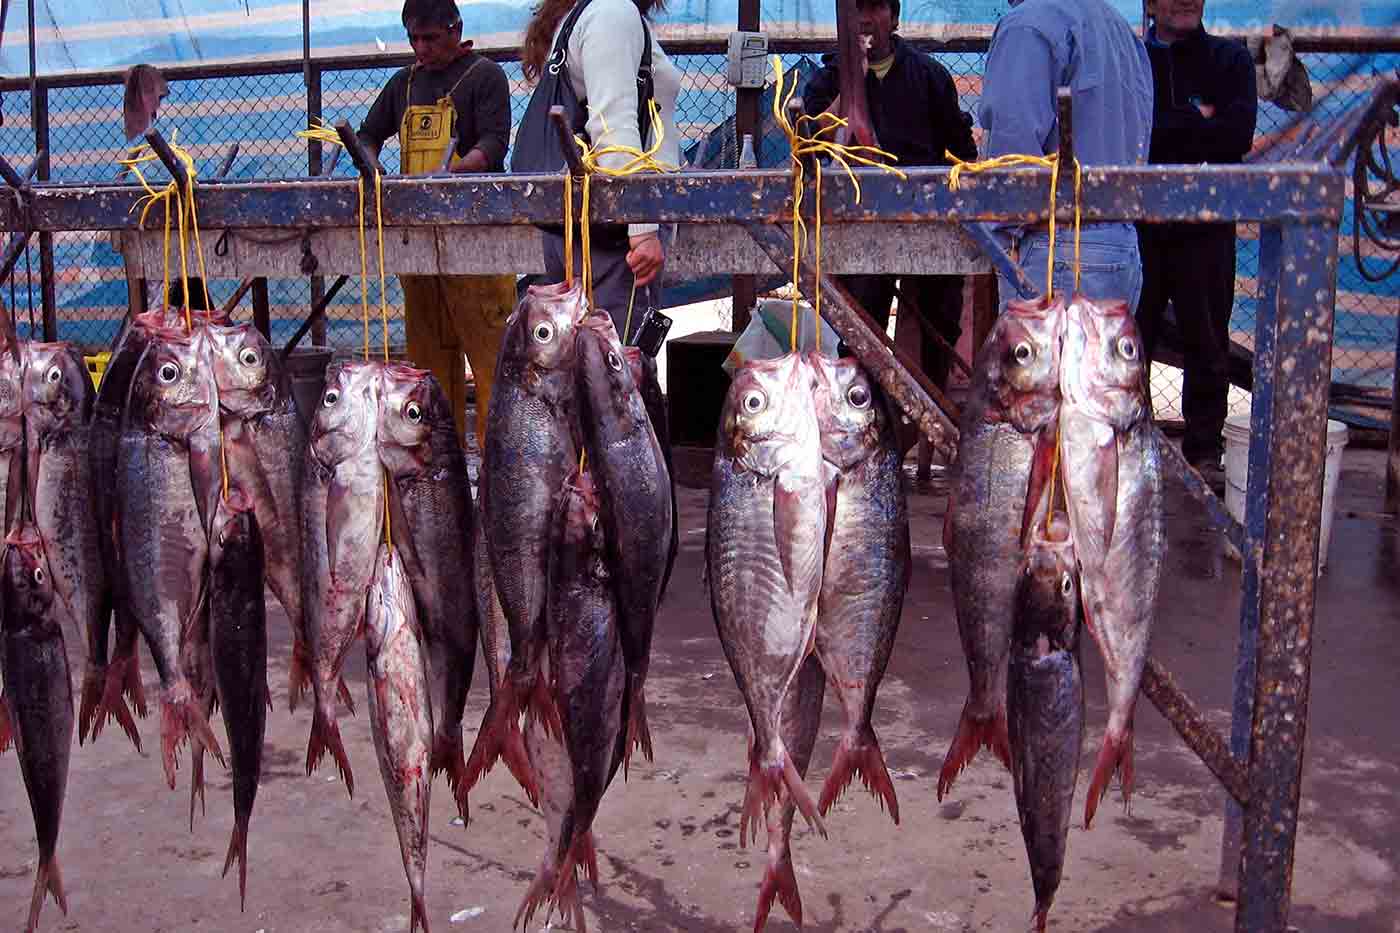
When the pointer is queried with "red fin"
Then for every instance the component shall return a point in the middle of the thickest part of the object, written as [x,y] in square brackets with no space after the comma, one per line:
[132,688]
[418,913]
[1041,918]
[565,897]
[763,789]
[90,715]
[343,692]
[7,732]
[238,849]
[860,756]
[540,894]
[500,738]
[298,675]
[196,778]
[586,855]
[780,883]
[111,705]
[1116,755]
[542,709]
[448,757]
[798,789]
[972,736]
[325,737]
[47,880]
[638,732]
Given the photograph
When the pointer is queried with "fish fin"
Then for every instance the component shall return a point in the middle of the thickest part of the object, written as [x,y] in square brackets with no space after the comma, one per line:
[238,849]
[1039,495]
[448,758]
[565,896]
[7,731]
[111,704]
[417,912]
[48,879]
[638,732]
[298,674]
[1041,918]
[342,692]
[1115,756]
[175,704]
[759,794]
[325,737]
[779,883]
[196,778]
[973,735]
[586,855]
[132,688]
[798,789]
[91,715]
[542,709]
[860,755]
[500,738]
[540,894]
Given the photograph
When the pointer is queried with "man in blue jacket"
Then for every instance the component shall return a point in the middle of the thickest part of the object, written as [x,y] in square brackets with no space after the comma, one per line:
[1204,110]
[914,111]
[1087,46]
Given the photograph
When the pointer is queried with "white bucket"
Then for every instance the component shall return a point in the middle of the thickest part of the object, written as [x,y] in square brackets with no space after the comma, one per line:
[1237,473]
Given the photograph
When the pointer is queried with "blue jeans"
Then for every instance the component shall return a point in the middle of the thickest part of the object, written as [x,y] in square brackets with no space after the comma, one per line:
[1109,264]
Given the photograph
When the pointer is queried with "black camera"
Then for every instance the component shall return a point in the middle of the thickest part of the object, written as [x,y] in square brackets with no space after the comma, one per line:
[652,332]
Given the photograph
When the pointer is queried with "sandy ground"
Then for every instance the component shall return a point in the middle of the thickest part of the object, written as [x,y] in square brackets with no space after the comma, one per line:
[668,838]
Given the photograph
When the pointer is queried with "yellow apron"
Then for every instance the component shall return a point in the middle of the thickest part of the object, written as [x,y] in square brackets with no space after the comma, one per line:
[448,315]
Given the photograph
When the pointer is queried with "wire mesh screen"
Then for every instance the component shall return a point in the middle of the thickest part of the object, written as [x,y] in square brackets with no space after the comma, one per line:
[262,113]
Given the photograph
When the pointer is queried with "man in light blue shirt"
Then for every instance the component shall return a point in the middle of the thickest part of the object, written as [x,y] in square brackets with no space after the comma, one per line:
[1087,46]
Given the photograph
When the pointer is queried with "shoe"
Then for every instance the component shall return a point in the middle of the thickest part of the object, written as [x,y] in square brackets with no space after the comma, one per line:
[1213,473]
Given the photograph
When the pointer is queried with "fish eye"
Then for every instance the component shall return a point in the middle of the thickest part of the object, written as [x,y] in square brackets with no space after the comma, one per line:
[330,398]
[858,396]
[413,411]
[39,575]
[1023,353]
[543,332]
[168,373]
[249,357]
[754,402]
[1066,584]
[53,375]
[614,361]
[1127,348]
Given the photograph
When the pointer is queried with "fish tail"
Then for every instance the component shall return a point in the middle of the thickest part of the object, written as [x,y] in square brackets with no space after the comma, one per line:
[565,896]
[418,912]
[238,850]
[780,884]
[175,705]
[325,737]
[132,689]
[448,757]
[196,778]
[298,674]
[342,691]
[974,734]
[112,704]
[91,715]
[1041,918]
[1115,756]
[7,730]
[638,732]
[540,894]
[48,879]
[860,755]
[765,785]
[542,709]
[586,855]
[798,789]
[500,738]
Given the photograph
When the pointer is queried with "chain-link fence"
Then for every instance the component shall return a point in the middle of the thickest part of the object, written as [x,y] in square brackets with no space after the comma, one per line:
[262,108]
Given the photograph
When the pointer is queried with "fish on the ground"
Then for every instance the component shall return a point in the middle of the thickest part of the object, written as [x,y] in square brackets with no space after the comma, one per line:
[628,470]
[265,449]
[238,648]
[1112,470]
[34,663]
[867,566]
[589,675]
[401,715]
[530,449]
[162,537]
[1045,704]
[1005,449]
[342,522]
[430,501]
[765,548]
[58,404]
[802,715]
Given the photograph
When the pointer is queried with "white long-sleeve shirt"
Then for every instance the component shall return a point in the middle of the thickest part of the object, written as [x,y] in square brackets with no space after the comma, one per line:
[605,51]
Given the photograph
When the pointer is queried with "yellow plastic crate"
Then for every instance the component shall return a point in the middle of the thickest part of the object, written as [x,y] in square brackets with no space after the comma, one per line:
[96,366]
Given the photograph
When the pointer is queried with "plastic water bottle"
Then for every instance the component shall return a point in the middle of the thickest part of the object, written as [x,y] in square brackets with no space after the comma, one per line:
[746,157]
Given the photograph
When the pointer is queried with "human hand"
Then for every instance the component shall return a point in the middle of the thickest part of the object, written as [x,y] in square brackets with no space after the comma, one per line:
[1207,110]
[645,256]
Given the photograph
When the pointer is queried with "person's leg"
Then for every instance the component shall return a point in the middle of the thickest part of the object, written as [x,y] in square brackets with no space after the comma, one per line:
[481,304]
[939,300]
[1156,288]
[432,339]
[1203,314]
[1109,270]
[874,293]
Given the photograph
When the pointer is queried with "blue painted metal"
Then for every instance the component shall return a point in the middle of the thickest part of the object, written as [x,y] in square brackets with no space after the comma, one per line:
[1282,526]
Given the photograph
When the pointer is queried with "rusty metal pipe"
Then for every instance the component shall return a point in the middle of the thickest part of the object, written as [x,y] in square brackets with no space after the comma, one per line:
[1198,734]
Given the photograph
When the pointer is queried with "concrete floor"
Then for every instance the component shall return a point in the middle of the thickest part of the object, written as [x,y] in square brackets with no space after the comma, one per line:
[668,839]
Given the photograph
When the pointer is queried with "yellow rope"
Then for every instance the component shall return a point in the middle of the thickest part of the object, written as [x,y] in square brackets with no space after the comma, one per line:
[364,268]
[568,228]
[817,248]
[813,145]
[379,232]
[627,324]
[1078,172]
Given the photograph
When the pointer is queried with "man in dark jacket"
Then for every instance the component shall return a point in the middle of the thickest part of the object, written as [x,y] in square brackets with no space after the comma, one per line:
[915,114]
[1204,111]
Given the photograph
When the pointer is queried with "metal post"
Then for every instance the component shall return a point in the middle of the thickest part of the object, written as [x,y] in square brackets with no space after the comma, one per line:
[313,168]
[262,309]
[1392,466]
[1291,463]
[39,115]
[746,106]
[1257,497]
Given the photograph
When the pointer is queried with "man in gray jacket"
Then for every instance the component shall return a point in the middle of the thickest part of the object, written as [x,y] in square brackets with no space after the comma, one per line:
[1085,45]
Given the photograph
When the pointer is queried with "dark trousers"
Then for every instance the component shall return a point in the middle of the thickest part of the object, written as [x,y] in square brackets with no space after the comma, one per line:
[612,280]
[937,299]
[1193,267]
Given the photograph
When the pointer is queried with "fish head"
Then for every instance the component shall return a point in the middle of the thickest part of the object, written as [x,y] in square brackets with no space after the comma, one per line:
[233,522]
[247,371]
[1104,372]
[411,405]
[769,417]
[1022,360]
[604,375]
[548,327]
[1048,600]
[57,390]
[28,585]
[850,410]
[346,420]
[173,389]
